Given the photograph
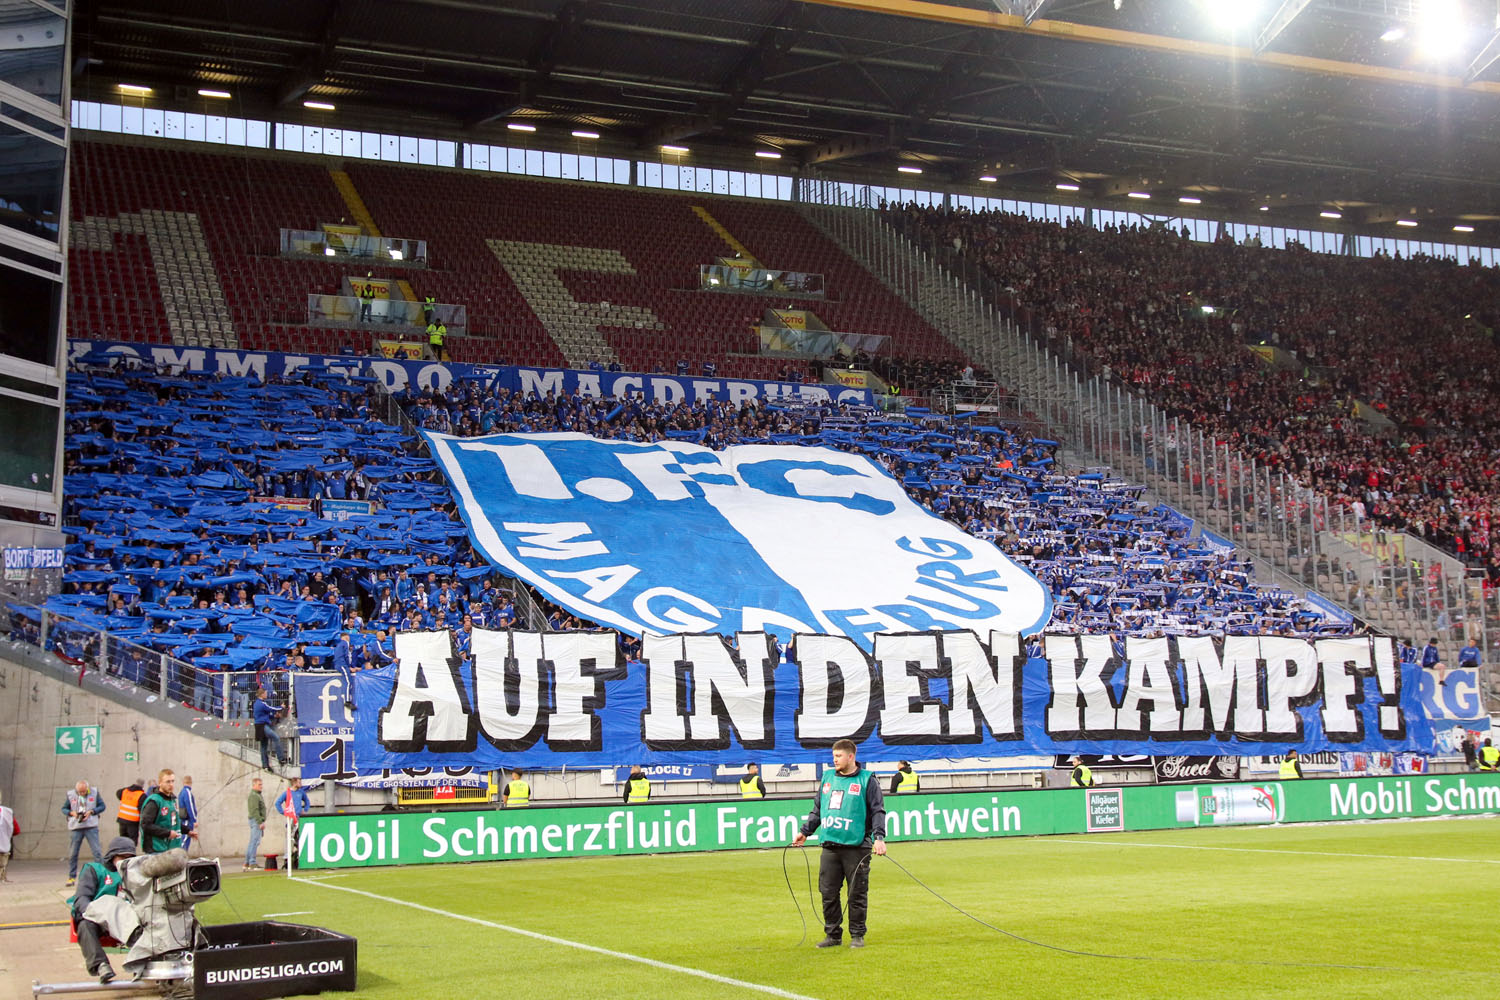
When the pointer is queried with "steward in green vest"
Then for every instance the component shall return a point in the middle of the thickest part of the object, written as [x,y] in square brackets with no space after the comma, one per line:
[905,780]
[849,817]
[161,824]
[1291,767]
[97,880]
[752,787]
[436,331]
[1082,776]
[517,793]
[638,788]
[1489,756]
[429,306]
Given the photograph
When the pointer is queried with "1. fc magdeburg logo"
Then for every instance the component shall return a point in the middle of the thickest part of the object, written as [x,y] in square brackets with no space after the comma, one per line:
[675,537]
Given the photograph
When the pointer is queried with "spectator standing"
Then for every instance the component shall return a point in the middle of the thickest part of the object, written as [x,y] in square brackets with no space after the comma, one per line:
[751,786]
[265,730]
[8,829]
[905,780]
[1082,775]
[83,806]
[517,792]
[255,808]
[638,787]
[292,803]
[187,807]
[1291,766]
[128,817]
[1489,756]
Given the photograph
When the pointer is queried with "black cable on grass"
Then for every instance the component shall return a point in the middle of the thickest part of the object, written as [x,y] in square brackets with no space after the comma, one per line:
[811,902]
[1144,958]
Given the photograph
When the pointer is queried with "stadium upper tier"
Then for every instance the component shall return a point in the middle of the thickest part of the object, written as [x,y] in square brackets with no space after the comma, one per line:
[1381,395]
[177,245]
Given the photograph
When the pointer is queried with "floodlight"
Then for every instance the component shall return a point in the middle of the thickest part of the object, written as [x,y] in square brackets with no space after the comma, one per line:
[1188,199]
[1441,31]
[909,170]
[1064,186]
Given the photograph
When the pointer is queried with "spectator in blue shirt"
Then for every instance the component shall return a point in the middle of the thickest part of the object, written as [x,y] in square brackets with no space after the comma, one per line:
[265,730]
[1469,657]
[1433,660]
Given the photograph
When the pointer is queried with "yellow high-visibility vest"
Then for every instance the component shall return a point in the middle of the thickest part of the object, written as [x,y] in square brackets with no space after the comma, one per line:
[640,789]
[1082,777]
[909,782]
[1488,758]
[750,788]
[520,794]
[1288,769]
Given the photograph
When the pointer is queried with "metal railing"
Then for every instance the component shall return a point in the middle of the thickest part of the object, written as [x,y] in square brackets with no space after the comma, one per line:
[1392,580]
[349,310]
[760,281]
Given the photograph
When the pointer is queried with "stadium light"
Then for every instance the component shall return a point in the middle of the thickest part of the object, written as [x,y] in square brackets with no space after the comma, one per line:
[1408,223]
[909,170]
[1463,229]
[988,179]
[222,95]
[579,133]
[520,127]
[768,154]
[1139,195]
[676,150]
[397,255]
[1394,34]
[318,105]
[1325,214]
[133,88]
[330,252]
[1265,208]
[1188,199]
[1441,29]
[1067,187]
[1230,16]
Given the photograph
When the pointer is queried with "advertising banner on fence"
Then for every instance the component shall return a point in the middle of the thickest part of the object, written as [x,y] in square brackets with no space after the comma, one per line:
[792,539]
[397,374]
[540,700]
[1180,769]
[351,841]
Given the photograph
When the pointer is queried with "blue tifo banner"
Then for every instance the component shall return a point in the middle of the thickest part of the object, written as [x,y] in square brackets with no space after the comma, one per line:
[546,700]
[396,375]
[676,537]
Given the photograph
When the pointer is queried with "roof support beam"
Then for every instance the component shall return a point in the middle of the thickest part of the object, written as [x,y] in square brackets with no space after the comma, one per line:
[1285,14]
[312,70]
[540,63]
[1485,58]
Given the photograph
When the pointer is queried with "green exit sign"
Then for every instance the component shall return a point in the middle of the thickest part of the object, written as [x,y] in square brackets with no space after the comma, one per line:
[76,739]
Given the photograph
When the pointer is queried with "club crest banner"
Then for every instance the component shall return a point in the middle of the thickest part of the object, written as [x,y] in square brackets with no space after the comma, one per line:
[677,537]
[544,700]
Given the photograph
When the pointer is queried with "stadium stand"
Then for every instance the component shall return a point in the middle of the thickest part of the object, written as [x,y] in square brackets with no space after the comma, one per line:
[1416,453]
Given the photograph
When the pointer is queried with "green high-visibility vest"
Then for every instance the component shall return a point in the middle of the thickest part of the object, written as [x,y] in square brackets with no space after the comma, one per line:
[750,788]
[1488,758]
[909,782]
[168,817]
[435,334]
[640,789]
[841,807]
[520,795]
[109,881]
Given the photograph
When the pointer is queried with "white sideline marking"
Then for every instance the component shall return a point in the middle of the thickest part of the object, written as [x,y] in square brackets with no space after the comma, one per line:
[289,913]
[536,935]
[1272,850]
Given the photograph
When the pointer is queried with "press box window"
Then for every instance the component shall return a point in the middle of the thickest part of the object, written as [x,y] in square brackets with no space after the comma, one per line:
[30,314]
[28,449]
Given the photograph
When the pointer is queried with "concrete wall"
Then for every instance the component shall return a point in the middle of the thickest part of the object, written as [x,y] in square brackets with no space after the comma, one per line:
[36,696]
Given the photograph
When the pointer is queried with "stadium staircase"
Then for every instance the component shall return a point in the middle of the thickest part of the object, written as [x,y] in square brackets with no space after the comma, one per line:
[1099,422]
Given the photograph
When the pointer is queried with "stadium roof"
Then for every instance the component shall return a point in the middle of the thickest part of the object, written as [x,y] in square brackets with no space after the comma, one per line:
[1299,104]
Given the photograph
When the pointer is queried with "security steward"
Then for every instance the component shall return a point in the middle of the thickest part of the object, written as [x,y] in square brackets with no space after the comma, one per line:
[366,299]
[129,814]
[638,787]
[429,306]
[161,823]
[1489,756]
[517,793]
[1291,767]
[1082,776]
[751,787]
[436,331]
[905,780]
[850,812]
[95,880]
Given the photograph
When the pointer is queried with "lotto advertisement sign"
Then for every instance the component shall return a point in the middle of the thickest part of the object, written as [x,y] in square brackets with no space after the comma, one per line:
[351,841]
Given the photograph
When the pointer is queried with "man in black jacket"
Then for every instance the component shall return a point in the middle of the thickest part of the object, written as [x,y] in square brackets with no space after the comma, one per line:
[95,880]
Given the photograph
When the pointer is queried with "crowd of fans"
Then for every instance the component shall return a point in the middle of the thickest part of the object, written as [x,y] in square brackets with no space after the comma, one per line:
[1171,318]
[248,527]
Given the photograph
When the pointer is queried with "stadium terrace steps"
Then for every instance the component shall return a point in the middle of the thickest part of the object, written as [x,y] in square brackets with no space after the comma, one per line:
[356,205]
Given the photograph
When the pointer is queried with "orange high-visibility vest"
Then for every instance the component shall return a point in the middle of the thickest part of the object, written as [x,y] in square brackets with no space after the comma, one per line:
[130,805]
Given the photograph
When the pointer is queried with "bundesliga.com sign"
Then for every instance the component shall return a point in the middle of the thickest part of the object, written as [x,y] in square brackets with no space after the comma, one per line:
[353,841]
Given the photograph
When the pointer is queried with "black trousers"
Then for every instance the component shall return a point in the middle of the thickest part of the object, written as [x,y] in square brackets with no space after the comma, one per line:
[838,866]
[88,942]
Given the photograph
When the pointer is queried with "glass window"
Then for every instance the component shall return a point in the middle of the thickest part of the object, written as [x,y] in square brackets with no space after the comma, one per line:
[551,164]
[588,167]
[753,186]
[28,454]
[447,153]
[312,140]
[390,148]
[30,311]
[31,58]
[651,175]
[533,162]
[569,166]
[258,134]
[737,183]
[31,182]
[783,188]
[214,128]
[408,147]
[427,152]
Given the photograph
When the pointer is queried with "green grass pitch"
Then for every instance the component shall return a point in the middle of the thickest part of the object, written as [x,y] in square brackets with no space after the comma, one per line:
[1219,913]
